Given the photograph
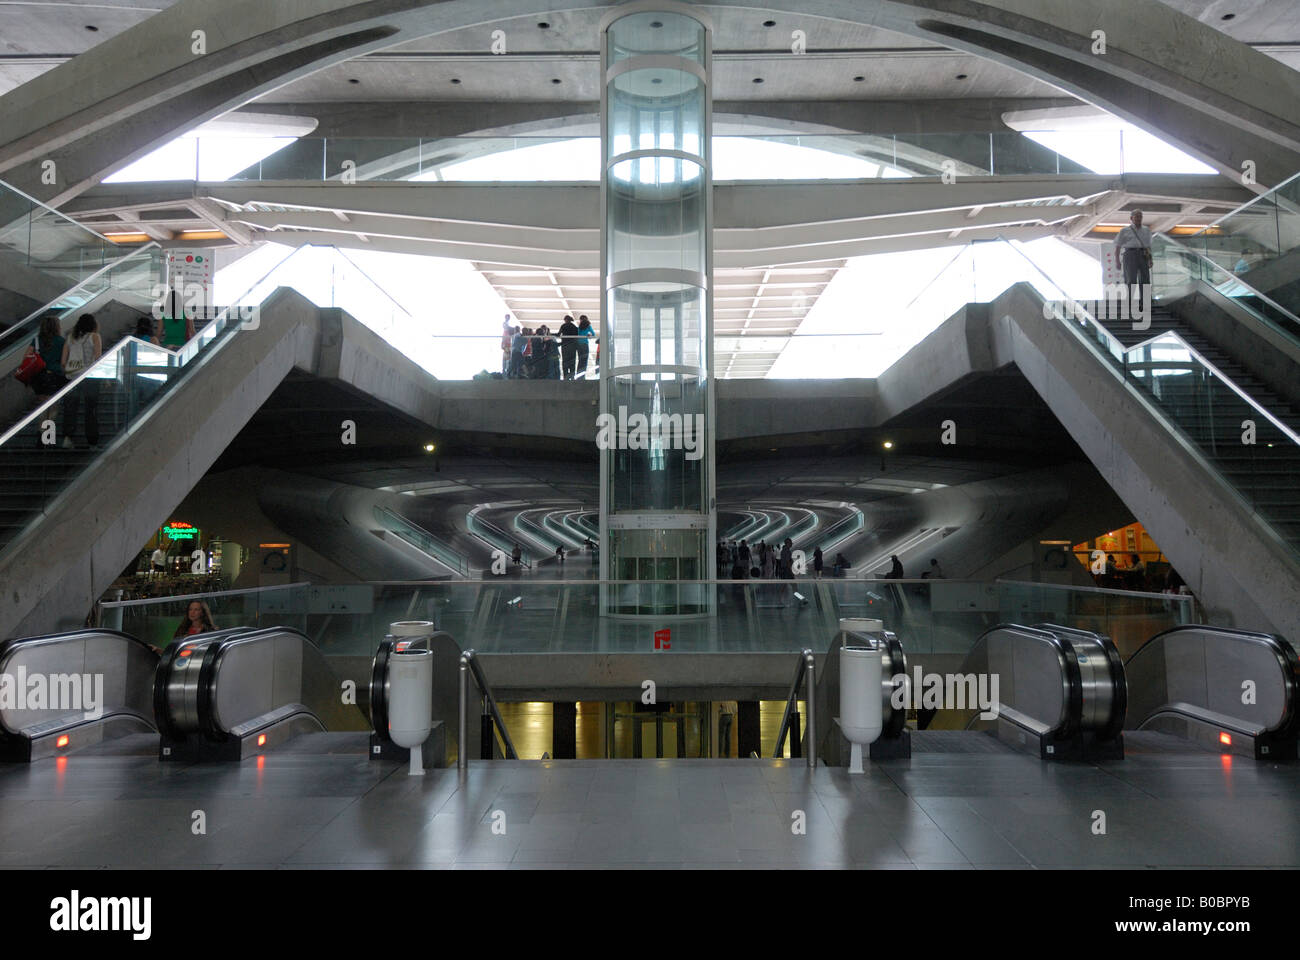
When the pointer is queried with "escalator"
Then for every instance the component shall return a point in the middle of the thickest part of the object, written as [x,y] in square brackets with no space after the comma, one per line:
[228,696]
[1226,690]
[111,695]
[1060,692]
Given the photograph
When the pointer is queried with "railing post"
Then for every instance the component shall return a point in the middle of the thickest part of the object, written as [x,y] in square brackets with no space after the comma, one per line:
[462,746]
[812,708]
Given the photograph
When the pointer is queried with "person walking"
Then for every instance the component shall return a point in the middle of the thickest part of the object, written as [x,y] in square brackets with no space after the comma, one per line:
[79,354]
[568,347]
[1133,250]
[586,334]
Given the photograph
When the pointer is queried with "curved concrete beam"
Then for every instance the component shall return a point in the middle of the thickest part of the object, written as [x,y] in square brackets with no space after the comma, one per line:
[1211,95]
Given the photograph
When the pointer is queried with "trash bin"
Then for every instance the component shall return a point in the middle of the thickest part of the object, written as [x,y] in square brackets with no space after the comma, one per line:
[860,699]
[410,702]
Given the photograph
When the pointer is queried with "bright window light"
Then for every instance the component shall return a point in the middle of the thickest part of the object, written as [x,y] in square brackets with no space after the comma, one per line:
[208,158]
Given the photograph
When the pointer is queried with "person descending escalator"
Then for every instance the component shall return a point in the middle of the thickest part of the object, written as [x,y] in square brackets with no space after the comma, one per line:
[895,568]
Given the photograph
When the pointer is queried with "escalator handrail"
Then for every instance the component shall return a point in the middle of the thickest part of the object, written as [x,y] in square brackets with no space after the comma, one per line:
[212,664]
[1119,684]
[162,707]
[896,719]
[1070,663]
[1281,648]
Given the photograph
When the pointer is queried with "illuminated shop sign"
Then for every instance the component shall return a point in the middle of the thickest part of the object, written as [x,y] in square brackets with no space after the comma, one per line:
[180,531]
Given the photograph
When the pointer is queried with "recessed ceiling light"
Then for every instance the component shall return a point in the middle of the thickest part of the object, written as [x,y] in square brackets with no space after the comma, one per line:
[353,80]
[656,24]
[657,80]
[858,79]
[1228,16]
[455,79]
[555,80]
[961,76]
[758,79]
[92,29]
[769,23]
[543,25]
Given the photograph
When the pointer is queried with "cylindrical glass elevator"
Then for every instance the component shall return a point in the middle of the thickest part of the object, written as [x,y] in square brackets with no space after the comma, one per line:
[657,457]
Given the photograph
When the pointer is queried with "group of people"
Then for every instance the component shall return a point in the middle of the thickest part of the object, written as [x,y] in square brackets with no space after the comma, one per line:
[528,354]
[763,561]
[63,359]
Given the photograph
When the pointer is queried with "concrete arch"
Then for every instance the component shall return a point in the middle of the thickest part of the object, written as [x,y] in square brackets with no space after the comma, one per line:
[121,99]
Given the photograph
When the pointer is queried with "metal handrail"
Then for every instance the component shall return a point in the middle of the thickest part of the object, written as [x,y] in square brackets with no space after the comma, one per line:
[469,664]
[805,668]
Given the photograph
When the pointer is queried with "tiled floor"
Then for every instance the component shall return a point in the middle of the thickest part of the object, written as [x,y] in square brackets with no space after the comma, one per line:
[322,804]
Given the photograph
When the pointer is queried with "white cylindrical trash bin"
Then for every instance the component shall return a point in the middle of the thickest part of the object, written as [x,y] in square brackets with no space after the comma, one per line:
[861,699]
[410,702]
[409,630]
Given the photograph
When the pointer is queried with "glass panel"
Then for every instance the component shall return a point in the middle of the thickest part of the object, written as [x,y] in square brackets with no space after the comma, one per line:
[945,616]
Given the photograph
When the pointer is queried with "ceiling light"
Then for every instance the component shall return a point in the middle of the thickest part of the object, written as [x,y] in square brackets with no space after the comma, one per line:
[430,447]
[888,444]
[455,79]
[1228,16]
[353,80]
[555,80]
[758,79]
[858,79]
[961,76]
[656,24]
[92,29]
[769,23]
[543,25]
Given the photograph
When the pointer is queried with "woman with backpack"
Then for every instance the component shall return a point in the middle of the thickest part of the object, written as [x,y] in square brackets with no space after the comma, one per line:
[80,353]
[48,345]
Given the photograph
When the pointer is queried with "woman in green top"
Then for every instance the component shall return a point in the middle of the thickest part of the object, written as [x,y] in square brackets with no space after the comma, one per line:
[177,328]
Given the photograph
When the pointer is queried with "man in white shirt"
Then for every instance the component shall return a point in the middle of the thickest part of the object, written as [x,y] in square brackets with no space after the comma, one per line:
[1133,250]
[158,561]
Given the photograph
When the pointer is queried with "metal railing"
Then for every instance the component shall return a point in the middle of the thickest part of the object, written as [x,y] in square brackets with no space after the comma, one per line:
[491,715]
[790,720]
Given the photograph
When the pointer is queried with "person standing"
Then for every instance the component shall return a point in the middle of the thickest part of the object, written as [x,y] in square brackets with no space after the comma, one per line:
[568,347]
[79,354]
[1133,250]
[787,560]
[895,568]
[49,347]
[507,342]
[177,324]
[817,563]
[198,619]
[585,334]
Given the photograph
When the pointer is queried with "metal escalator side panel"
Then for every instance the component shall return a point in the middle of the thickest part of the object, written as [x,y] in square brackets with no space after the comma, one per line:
[256,676]
[1037,679]
[1211,669]
[176,693]
[118,668]
[1103,701]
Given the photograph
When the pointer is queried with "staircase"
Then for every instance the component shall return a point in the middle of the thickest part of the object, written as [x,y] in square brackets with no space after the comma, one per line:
[1210,414]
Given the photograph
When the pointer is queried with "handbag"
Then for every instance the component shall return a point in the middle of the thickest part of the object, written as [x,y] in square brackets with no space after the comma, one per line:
[30,368]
